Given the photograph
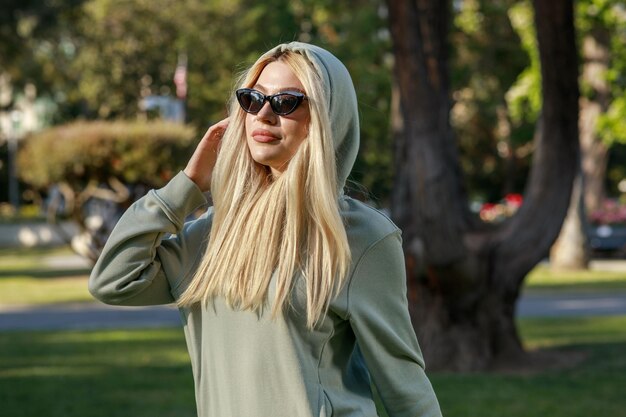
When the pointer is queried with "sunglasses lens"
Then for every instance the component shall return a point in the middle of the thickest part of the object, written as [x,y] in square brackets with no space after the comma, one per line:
[250,100]
[283,104]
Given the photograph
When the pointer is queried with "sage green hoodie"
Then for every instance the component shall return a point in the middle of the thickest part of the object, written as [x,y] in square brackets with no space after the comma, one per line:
[246,364]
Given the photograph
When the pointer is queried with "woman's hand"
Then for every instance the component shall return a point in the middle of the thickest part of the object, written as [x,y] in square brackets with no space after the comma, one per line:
[200,166]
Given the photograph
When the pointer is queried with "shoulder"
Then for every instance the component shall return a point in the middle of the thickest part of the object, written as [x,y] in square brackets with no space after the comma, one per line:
[365,225]
[377,257]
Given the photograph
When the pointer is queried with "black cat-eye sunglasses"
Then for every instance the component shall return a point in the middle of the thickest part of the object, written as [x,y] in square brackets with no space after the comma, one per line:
[282,104]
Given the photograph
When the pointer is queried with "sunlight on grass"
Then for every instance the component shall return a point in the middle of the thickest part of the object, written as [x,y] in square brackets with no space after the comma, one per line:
[542,277]
[111,336]
[26,278]
[26,290]
[19,259]
[553,332]
[147,373]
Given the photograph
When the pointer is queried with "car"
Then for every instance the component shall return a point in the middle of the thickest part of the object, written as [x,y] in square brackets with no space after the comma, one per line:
[608,240]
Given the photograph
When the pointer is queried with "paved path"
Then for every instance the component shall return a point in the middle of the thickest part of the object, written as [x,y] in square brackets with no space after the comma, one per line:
[86,316]
[99,316]
[559,304]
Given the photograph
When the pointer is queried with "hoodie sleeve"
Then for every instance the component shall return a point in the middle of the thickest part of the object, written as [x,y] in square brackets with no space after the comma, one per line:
[151,249]
[379,317]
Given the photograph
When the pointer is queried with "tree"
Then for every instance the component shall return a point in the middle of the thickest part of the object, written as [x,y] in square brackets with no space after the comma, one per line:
[601,37]
[25,23]
[34,47]
[116,52]
[485,64]
[30,34]
[464,277]
[602,26]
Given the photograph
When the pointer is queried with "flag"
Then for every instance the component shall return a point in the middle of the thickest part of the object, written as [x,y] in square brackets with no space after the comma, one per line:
[180,77]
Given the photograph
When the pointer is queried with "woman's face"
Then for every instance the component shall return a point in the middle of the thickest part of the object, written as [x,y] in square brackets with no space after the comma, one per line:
[274,139]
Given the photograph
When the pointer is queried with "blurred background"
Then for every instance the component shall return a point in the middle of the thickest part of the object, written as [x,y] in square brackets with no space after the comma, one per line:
[101,100]
[74,62]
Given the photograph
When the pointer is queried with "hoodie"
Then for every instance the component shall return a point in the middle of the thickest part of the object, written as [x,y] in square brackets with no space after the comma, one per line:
[248,364]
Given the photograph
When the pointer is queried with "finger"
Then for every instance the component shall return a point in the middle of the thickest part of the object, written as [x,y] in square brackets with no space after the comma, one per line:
[216,131]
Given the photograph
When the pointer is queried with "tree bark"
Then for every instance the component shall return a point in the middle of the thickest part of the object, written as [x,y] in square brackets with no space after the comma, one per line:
[464,277]
[596,56]
[571,250]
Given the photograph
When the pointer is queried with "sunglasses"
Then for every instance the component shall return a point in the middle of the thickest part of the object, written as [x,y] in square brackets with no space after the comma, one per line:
[282,104]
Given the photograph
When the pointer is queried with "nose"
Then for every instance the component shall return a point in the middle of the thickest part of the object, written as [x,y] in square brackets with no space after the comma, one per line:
[266,114]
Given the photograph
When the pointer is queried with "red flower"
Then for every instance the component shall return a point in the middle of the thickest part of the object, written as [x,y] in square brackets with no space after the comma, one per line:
[514,200]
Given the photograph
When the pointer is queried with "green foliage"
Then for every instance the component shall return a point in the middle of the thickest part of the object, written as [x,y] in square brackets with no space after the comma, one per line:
[99,58]
[29,29]
[113,53]
[594,14]
[133,152]
[612,124]
[524,97]
[486,61]
[605,19]
[356,32]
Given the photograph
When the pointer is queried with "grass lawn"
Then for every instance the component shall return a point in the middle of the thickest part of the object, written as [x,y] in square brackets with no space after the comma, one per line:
[544,279]
[95,374]
[592,388]
[146,373]
[143,373]
[29,259]
[26,279]
[24,289]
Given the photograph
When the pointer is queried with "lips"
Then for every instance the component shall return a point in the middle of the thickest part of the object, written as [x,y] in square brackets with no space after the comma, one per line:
[264,136]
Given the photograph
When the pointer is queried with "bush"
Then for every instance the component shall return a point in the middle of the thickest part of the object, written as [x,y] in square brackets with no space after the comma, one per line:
[92,171]
[133,152]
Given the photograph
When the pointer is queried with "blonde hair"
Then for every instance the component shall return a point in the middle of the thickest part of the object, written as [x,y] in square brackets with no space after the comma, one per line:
[283,226]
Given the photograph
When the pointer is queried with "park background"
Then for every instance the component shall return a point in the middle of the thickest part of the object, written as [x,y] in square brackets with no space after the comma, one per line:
[101,100]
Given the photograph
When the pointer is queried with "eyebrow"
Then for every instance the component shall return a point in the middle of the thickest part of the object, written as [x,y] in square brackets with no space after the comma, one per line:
[264,89]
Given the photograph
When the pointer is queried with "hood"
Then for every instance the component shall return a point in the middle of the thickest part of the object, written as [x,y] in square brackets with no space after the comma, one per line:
[341,100]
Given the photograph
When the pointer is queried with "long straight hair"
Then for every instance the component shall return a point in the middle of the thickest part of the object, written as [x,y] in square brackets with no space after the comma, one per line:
[284,226]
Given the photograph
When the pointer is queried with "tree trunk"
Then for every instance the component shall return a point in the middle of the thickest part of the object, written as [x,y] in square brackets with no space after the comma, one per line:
[571,250]
[464,277]
[595,152]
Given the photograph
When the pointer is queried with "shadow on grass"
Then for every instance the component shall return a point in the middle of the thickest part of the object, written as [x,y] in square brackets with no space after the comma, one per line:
[45,273]
[147,373]
[593,386]
[95,374]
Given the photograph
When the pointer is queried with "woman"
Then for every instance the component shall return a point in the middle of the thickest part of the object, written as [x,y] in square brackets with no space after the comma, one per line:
[292,295]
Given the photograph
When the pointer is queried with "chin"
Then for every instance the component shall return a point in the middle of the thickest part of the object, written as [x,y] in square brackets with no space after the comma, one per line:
[263,159]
